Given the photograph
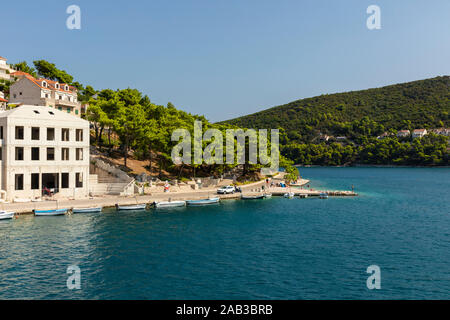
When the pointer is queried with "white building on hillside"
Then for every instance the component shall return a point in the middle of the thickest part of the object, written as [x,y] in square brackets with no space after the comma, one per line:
[43,151]
[5,69]
[419,133]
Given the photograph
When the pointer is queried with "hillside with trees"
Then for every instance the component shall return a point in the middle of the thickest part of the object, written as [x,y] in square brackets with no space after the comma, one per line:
[358,118]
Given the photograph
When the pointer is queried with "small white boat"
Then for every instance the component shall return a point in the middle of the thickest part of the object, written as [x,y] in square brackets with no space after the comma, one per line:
[289,195]
[202,202]
[55,212]
[6,215]
[87,210]
[252,197]
[323,196]
[170,204]
[133,207]
[267,196]
[303,196]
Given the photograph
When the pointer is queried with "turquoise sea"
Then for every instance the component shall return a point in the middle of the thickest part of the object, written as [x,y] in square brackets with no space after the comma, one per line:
[264,249]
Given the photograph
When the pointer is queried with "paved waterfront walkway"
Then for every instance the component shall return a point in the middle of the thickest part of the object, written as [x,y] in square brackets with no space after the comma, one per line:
[111,201]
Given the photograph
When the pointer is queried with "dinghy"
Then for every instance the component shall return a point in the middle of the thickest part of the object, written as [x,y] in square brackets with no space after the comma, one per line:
[6,215]
[169,204]
[54,212]
[87,210]
[267,196]
[252,197]
[202,202]
[133,207]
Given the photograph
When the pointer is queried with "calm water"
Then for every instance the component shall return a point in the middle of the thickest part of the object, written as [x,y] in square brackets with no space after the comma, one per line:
[267,249]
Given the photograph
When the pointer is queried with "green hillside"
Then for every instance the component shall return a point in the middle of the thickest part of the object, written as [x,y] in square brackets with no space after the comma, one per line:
[426,103]
[358,118]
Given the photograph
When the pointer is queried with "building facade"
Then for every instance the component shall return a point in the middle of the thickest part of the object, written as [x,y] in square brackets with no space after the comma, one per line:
[5,70]
[43,152]
[419,133]
[28,90]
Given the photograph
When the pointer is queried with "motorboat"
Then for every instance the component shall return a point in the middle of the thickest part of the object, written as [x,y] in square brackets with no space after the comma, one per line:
[54,212]
[169,204]
[323,195]
[289,195]
[252,197]
[87,210]
[6,215]
[132,207]
[202,202]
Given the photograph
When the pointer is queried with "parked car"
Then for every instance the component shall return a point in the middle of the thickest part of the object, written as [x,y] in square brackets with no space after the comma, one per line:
[226,190]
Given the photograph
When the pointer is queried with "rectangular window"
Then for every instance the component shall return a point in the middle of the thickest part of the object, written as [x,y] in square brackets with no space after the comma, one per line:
[35,133]
[79,154]
[65,134]
[50,153]
[79,134]
[68,109]
[35,154]
[19,153]
[18,182]
[35,181]
[1,154]
[79,180]
[65,154]
[19,133]
[1,132]
[50,134]
[64,180]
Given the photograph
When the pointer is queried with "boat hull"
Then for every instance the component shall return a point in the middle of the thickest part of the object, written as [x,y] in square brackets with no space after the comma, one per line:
[57,212]
[136,207]
[252,197]
[202,202]
[87,210]
[6,215]
[170,204]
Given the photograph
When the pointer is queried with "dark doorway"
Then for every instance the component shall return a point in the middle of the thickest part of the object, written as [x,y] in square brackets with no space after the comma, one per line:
[50,181]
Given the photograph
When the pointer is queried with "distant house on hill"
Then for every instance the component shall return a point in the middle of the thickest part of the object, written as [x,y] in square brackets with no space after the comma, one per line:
[403,134]
[28,90]
[419,133]
[441,131]
[384,135]
[341,139]
[324,137]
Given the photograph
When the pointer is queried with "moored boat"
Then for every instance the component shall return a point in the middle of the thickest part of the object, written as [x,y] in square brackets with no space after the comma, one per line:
[87,210]
[289,195]
[267,195]
[202,202]
[323,195]
[169,204]
[252,197]
[6,215]
[304,195]
[54,212]
[132,207]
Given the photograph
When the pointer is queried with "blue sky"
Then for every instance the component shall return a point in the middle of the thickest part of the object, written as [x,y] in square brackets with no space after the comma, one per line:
[229,58]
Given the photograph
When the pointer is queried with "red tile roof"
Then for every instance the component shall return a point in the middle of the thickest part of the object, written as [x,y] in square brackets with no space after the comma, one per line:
[38,82]
[3,100]
[1,58]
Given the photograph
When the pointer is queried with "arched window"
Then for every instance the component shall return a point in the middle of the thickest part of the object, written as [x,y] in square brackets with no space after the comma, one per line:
[44,84]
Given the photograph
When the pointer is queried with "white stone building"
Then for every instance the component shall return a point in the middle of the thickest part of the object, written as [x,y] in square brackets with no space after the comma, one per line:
[5,69]
[43,151]
[28,90]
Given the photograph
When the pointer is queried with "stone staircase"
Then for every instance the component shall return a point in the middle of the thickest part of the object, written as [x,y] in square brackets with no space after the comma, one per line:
[105,179]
